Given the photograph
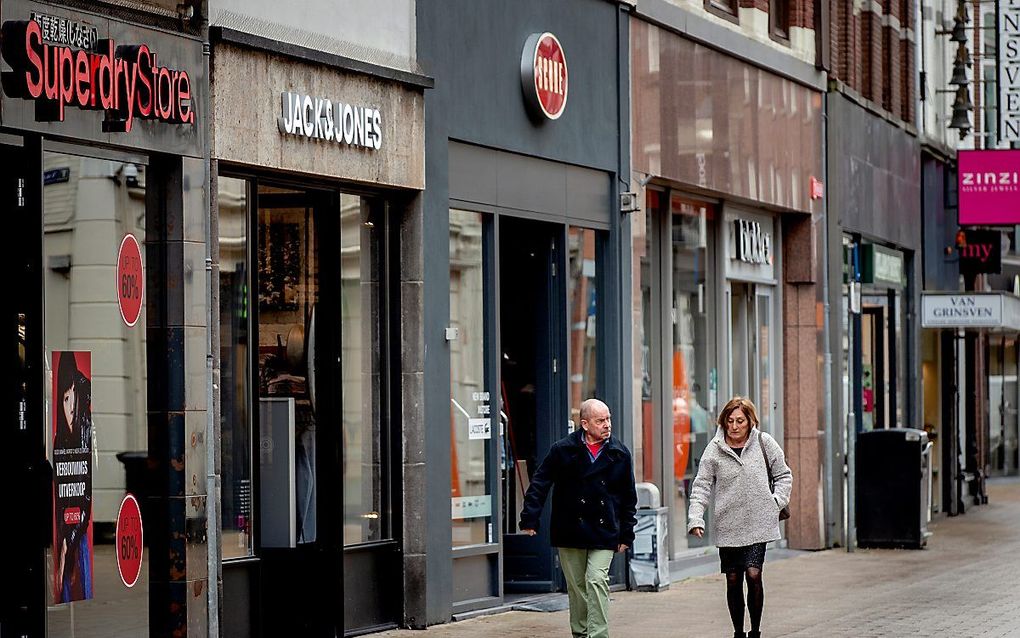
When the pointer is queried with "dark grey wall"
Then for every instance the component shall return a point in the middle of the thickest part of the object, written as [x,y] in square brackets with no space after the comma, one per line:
[473,49]
[941,271]
[874,175]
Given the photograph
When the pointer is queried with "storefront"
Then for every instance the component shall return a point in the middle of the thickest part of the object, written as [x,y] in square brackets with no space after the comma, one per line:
[102,134]
[874,240]
[522,275]
[318,166]
[726,276]
[992,319]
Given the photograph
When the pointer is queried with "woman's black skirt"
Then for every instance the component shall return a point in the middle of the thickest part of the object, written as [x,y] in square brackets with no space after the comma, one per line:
[737,559]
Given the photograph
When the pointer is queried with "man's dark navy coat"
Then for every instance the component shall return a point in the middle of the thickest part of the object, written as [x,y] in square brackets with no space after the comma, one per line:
[593,504]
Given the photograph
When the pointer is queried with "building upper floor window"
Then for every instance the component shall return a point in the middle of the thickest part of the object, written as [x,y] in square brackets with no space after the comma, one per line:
[779,20]
[724,8]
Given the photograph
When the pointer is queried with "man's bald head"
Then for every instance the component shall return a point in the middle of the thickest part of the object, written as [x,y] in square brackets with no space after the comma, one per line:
[590,406]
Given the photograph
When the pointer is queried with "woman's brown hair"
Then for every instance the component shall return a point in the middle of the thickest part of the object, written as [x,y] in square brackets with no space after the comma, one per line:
[739,403]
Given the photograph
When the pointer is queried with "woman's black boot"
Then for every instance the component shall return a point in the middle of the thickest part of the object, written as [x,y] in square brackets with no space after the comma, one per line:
[754,634]
[739,634]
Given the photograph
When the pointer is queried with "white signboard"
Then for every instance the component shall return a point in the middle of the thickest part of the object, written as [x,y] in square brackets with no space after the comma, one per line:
[1009,70]
[471,506]
[480,428]
[961,311]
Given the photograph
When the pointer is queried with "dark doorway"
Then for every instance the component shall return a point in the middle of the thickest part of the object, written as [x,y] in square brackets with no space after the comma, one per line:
[532,337]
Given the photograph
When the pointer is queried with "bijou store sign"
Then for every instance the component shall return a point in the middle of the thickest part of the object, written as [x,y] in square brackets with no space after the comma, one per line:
[753,243]
[322,119]
[60,63]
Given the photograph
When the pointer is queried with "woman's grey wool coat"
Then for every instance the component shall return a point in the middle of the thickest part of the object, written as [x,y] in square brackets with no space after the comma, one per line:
[738,486]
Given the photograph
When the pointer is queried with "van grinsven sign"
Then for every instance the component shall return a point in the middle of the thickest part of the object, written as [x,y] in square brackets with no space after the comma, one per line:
[970,310]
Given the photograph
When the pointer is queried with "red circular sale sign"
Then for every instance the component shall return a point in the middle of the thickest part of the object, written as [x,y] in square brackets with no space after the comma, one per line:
[544,75]
[130,279]
[129,541]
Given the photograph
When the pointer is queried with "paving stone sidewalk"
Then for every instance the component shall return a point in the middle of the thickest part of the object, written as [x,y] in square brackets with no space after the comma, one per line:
[966,583]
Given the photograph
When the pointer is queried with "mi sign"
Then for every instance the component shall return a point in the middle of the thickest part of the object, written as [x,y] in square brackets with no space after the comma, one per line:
[1009,70]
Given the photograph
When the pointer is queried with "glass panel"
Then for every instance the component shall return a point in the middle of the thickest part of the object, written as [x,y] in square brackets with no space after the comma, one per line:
[235,427]
[765,396]
[366,507]
[641,225]
[288,291]
[693,424]
[96,394]
[581,295]
[470,396]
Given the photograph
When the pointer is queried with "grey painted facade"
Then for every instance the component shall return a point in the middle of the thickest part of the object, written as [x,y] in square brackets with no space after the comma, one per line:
[473,49]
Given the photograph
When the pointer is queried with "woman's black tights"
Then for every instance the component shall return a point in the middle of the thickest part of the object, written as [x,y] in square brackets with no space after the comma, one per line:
[735,597]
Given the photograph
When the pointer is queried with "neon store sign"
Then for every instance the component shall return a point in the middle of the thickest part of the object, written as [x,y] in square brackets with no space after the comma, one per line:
[125,81]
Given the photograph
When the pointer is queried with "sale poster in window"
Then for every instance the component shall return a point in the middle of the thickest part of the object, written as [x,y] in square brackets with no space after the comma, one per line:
[72,476]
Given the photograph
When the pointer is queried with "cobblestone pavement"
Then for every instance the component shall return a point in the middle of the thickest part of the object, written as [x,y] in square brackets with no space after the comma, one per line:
[966,583]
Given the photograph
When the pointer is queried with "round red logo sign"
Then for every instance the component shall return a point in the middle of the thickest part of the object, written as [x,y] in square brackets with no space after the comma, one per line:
[129,541]
[130,279]
[544,75]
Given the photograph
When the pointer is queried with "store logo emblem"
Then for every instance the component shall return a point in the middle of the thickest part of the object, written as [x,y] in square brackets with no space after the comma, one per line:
[753,244]
[125,81]
[544,76]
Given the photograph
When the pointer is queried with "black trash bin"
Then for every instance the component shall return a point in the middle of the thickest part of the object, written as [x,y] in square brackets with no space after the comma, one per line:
[892,488]
[138,479]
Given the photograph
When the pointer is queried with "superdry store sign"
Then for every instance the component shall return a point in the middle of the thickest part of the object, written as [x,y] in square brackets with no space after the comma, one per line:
[86,76]
[544,75]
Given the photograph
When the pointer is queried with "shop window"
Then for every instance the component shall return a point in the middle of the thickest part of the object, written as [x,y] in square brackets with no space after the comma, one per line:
[96,393]
[779,20]
[692,392]
[235,371]
[366,448]
[302,287]
[645,269]
[470,394]
[583,306]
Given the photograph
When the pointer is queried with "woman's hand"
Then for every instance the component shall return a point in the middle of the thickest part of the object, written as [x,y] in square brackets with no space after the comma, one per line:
[698,531]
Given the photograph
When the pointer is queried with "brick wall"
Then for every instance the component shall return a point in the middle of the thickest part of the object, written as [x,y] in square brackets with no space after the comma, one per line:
[872,51]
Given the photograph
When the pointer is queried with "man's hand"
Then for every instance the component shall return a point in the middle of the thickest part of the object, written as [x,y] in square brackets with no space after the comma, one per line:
[698,531]
[529,532]
[622,548]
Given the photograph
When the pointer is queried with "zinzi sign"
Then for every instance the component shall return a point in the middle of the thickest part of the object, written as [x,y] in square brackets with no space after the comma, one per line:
[989,187]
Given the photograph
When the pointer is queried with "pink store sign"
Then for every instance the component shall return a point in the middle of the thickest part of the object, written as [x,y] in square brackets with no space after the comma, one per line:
[989,187]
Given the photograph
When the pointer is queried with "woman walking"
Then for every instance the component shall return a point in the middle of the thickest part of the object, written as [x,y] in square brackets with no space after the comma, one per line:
[733,475]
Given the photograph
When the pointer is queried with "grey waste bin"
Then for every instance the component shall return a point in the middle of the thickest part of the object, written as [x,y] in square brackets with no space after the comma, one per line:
[649,563]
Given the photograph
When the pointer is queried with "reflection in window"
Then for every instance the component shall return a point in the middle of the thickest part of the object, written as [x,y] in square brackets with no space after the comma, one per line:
[288,291]
[470,396]
[235,435]
[90,205]
[645,271]
[693,422]
[581,295]
[365,445]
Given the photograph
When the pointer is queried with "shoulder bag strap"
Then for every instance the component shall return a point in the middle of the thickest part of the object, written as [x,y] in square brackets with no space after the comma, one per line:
[768,464]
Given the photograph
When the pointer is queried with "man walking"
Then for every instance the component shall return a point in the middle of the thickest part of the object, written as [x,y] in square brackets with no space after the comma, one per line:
[593,513]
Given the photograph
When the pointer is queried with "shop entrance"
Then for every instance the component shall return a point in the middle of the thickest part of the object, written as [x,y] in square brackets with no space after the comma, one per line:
[532,325]
[753,343]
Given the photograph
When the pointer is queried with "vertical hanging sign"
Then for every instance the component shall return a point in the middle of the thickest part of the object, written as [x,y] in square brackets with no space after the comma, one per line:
[130,279]
[1009,70]
[72,472]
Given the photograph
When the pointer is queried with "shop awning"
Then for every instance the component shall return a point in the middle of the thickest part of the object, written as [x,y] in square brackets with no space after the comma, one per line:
[999,311]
